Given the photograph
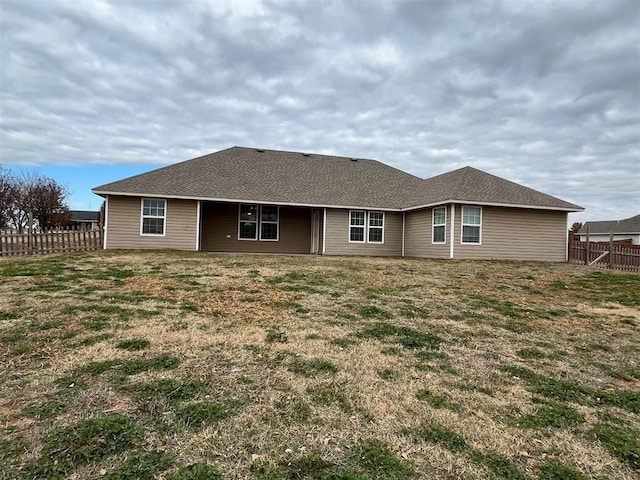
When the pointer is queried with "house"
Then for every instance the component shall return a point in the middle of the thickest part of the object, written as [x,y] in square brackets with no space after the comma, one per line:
[622,230]
[268,201]
[83,220]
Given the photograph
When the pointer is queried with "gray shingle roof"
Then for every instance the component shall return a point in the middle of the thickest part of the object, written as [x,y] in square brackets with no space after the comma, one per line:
[271,176]
[84,216]
[249,174]
[628,225]
[468,184]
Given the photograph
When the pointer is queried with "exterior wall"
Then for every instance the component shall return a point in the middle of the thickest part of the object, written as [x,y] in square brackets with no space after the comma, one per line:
[220,231]
[516,234]
[418,235]
[337,236]
[507,233]
[601,237]
[124,218]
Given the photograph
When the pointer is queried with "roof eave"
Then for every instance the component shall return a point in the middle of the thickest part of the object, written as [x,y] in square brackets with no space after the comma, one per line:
[495,204]
[608,233]
[103,193]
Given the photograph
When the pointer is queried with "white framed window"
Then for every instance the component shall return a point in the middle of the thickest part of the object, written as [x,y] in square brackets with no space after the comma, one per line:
[258,222]
[357,225]
[366,227]
[471,225]
[153,217]
[376,227]
[269,222]
[439,234]
[248,222]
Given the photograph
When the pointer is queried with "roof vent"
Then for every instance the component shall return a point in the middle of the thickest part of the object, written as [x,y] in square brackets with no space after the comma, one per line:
[354,159]
[259,150]
[306,154]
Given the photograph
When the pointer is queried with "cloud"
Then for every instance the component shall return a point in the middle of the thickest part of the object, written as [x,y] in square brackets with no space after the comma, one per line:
[545,93]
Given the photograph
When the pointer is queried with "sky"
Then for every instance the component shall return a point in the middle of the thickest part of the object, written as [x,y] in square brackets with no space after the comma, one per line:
[544,93]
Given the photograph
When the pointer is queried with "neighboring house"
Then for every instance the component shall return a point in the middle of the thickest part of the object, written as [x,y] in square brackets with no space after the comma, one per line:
[623,230]
[83,220]
[267,201]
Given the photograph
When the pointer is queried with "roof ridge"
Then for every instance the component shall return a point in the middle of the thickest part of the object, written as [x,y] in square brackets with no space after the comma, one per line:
[283,176]
[258,149]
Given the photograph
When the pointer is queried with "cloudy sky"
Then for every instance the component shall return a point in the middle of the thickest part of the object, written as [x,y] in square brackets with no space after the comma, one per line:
[539,92]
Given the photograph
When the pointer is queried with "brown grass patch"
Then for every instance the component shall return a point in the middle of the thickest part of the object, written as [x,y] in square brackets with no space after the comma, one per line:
[214,314]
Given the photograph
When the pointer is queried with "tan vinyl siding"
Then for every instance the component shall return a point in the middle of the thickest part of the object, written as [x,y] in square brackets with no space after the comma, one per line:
[516,234]
[220,231]
[124,218]
[338,236]
[418,235]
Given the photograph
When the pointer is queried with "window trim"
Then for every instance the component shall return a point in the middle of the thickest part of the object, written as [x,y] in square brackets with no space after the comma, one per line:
[366,227]
[369,227]
[363,226]
[163,217]
[277,223]
[463,224]
[434,225]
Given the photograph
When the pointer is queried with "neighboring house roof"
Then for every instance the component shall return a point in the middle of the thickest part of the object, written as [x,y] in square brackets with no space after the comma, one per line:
[626,226]
[84,216]
[252,175]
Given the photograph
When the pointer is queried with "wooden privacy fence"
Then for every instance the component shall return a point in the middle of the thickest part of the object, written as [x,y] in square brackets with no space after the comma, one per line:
[617,255]
[40,243]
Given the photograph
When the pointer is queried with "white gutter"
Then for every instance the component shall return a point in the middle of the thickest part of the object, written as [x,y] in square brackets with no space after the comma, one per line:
[403,225]
[453,228]
[492,204]
[324,232]
[246,200]
[349,207]
[106,222]
[566,242]
[198,222]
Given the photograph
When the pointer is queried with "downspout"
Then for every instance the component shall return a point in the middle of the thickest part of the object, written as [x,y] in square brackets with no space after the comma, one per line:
[452,233]
[566,240]
[198,220]
[324,232]
[106,222]
[403,223]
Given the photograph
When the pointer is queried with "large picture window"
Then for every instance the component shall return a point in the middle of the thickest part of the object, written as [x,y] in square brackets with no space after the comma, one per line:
[439,225]
[154,215]
[366,227]
[258,222]
[471,225]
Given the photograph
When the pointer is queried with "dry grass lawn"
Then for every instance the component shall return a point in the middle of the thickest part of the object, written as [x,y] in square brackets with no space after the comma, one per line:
[166,365]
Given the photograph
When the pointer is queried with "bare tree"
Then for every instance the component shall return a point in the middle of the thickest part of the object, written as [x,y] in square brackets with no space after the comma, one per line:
[575,228]
[6,188]
[34,194]
[14,211]
[47,200]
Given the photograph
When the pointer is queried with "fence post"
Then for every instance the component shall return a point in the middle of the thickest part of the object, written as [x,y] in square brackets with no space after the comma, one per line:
[587,249]
[30,233]
[610,249]
[570,247]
